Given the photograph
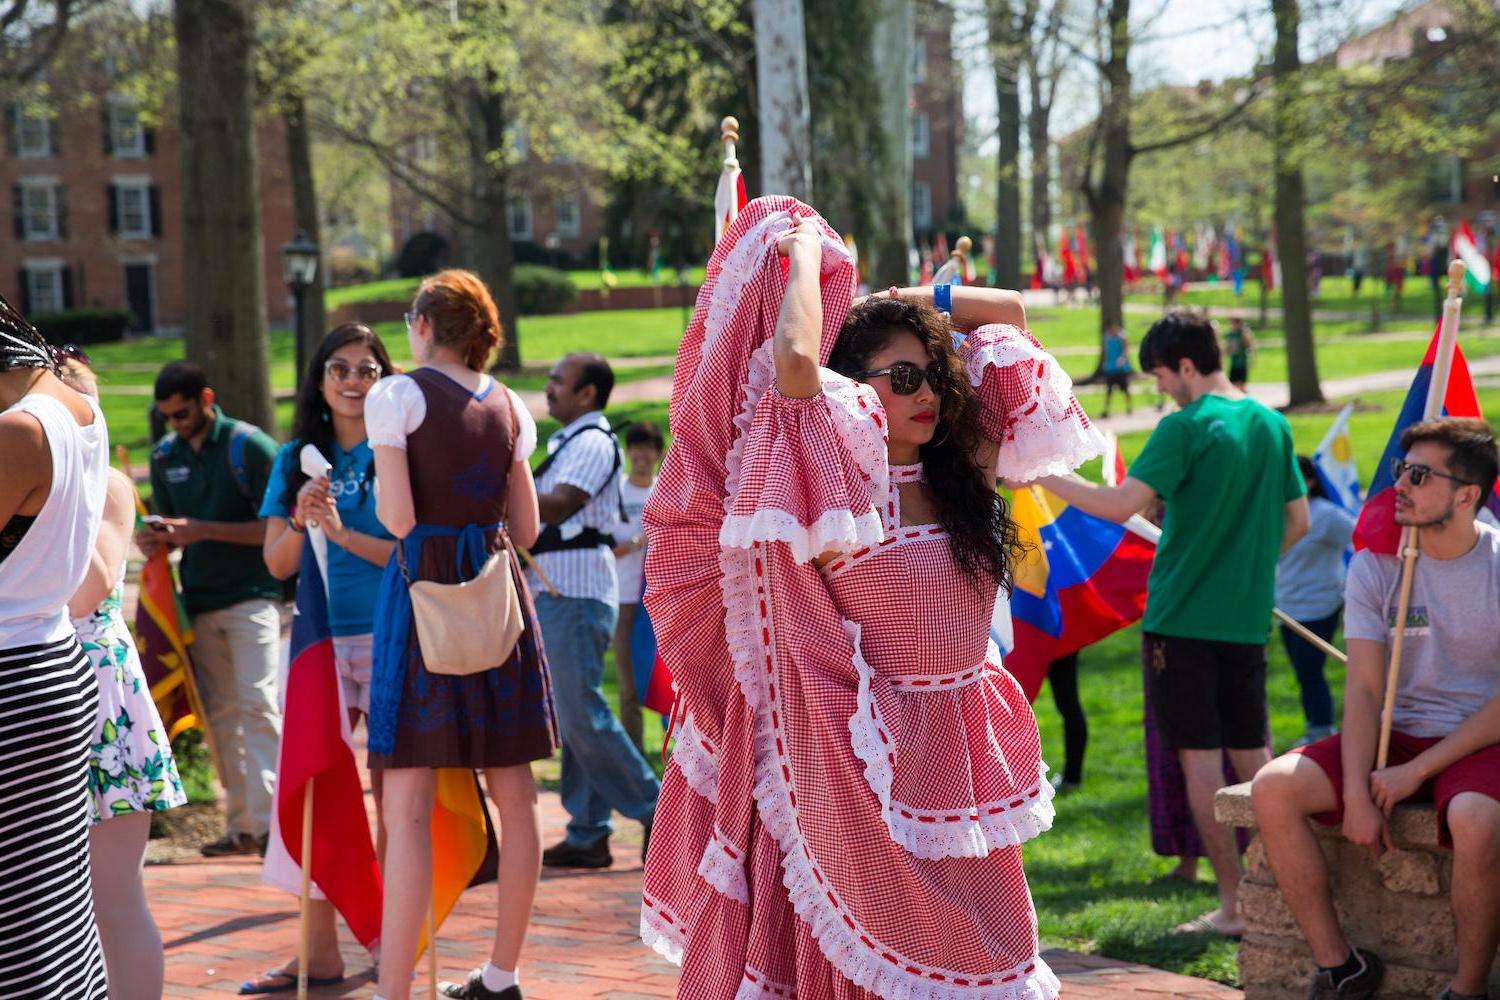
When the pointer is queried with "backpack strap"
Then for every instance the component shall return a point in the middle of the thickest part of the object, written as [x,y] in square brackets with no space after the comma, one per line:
[239,435]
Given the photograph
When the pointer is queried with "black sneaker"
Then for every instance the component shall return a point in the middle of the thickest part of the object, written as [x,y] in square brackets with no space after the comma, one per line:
[1360,986]
[473,988]
[231,844]
[1448,994]
[566,855]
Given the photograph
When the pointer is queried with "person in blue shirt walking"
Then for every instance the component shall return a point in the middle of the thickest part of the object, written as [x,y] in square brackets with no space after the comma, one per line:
[1310,588]
[1116,365]
[331,417]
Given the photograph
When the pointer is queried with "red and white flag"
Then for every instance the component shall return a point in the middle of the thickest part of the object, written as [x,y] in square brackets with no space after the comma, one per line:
[729,196]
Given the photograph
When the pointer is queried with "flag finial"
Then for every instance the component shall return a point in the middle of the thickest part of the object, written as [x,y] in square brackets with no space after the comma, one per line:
[1456,270]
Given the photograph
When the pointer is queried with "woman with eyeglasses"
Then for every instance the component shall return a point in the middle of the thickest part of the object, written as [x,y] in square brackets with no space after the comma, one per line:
[330,416]
[854,771]
[54,450]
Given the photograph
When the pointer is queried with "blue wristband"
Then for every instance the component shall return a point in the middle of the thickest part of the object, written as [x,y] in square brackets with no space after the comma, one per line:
[942,298]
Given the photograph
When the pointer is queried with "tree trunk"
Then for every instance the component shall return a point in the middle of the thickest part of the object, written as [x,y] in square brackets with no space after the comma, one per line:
[893,37]
[1106,199]
[305,210]
[1005,50]
[489,216]
[223,257]
[1291,235]
[1038,128]
[785,111]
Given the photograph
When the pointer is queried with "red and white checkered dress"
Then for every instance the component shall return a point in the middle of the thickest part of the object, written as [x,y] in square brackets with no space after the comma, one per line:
[853,773]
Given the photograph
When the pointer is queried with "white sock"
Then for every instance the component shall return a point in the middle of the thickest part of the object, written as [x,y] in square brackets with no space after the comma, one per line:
[498,979]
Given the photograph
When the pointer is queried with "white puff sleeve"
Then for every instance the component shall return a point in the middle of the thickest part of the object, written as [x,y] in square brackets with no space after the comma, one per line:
[525,428]
[394,408]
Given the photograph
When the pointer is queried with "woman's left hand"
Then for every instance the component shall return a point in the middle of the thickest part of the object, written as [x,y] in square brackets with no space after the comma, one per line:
[328,518]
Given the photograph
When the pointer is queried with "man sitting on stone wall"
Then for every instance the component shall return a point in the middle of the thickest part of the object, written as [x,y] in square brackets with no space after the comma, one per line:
[1445,739]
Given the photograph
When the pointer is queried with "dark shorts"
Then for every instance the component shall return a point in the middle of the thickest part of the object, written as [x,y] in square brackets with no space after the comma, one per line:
[1239,372]
[1206,694]
[1478,772]
[1117,380]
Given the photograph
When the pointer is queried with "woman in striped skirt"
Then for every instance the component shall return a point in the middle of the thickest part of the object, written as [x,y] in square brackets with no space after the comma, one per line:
[55,453]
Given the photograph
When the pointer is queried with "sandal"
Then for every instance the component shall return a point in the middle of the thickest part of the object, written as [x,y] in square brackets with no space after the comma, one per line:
[282,981]
[1205,925]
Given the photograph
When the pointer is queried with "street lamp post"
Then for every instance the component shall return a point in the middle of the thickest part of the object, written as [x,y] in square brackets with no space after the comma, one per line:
[299,266]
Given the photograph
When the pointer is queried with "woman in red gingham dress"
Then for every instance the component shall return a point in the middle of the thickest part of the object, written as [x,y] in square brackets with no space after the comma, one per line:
[853,773]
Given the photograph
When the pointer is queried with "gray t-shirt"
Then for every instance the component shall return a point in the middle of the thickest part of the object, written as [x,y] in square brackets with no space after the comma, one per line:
[1450,659]
[1310,576]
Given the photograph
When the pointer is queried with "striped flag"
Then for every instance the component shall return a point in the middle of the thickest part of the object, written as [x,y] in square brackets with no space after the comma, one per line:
[1082,578]
[163,634]
[729,196]
[1466,248]
[1334,459]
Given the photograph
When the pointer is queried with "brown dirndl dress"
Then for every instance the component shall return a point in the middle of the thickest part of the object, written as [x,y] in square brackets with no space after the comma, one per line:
[460,459]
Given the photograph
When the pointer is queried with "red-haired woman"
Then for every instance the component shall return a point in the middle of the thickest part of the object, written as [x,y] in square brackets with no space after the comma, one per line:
[451,447]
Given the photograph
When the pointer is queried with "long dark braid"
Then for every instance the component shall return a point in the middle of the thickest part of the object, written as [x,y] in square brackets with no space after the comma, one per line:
[981,535]
[21,346]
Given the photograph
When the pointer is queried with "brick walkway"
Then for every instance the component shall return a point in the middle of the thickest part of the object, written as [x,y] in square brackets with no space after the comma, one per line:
[221,925]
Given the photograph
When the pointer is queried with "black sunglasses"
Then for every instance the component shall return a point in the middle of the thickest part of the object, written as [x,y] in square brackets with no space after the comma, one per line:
[1419,473]
[906,377]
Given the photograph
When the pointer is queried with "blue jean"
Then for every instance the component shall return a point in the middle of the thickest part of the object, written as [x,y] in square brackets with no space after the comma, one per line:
[1307,663]
[601,768]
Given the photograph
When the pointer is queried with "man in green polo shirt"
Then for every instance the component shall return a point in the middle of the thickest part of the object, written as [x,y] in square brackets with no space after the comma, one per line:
[1225,466]
[207,477]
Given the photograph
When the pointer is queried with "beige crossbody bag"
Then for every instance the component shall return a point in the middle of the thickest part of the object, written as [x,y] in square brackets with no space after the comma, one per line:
[464,628]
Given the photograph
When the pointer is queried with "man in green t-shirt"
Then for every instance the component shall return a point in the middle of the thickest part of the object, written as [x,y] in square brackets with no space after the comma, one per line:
[207,477]
[1225,467]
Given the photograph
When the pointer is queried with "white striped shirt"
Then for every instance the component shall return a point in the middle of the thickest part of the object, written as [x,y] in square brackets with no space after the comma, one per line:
[592,464]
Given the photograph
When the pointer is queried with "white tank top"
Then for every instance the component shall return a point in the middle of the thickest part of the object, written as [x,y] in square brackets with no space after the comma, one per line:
[44,570]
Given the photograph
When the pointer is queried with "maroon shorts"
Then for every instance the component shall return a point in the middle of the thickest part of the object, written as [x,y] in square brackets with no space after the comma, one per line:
[1478,772]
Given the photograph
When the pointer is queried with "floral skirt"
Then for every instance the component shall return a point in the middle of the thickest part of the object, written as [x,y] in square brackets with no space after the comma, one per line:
[130,759]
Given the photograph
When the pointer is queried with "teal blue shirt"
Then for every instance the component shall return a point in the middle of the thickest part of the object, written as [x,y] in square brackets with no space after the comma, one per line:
[352,581]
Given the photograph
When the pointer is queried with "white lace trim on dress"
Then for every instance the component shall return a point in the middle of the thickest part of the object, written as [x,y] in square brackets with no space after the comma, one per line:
[1048,440]
[758,986]
[971,832]
[661,930]
[723,867]
[697,759]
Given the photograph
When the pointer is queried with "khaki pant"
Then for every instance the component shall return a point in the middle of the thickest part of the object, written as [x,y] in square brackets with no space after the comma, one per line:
[235,656]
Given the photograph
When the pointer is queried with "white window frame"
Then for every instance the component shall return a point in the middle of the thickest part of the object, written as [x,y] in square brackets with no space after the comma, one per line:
[42,149]
[140,186]
[519,203]
[46,188]
[921,136]
[919,60]
[569,228]
[118,107]
[519,143]
[921,205]
[424,150]
[36,267]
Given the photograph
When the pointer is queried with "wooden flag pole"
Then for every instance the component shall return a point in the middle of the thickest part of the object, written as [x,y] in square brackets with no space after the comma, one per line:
[432,962]
[1436,391]
[304,944]
[1306,633]
[729,136]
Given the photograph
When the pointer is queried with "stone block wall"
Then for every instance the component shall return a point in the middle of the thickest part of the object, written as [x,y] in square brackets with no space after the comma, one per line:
[1396,906]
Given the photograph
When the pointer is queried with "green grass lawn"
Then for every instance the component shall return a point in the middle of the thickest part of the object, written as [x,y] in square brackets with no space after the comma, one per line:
[1337,295]
[402,289]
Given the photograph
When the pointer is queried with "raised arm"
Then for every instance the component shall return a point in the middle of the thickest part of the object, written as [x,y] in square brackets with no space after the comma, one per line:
[973,306]
[1112,503]
[799,326]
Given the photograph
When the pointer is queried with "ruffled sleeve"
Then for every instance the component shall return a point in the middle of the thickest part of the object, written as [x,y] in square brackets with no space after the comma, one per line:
[807,472]
[526,428]
[394,408]
[1027,405]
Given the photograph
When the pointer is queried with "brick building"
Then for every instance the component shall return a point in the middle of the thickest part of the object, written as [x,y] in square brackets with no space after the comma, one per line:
[557,209]
[94,214]
[936,126]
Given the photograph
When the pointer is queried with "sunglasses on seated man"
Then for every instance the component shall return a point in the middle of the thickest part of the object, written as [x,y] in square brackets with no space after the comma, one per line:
[906,377]
[1419,473]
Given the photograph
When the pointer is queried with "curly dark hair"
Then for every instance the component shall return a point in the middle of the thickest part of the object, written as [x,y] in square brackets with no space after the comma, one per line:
[311,423]
[983,538]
